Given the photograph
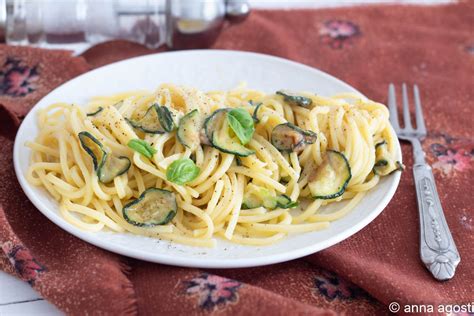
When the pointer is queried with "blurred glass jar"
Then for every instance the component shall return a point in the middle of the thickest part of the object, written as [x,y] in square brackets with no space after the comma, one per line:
[78,24]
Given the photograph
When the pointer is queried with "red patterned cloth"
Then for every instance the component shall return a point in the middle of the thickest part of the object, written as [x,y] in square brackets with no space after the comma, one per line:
[368,47]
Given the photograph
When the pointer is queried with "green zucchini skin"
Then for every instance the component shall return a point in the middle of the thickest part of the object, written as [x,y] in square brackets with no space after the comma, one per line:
[138,126]
[294,99]
[384,165]
[380,144]
[343,181]
[165,117]
[381,162]
[400,167]
[210,126]
[83,137]
[238,161]
[105,176]
[259,196]
[100,109]
[165,196]
[288,137]
[281,201]
[209,123]
[284,201]
[189,130]
[255,113]
[157,129]
[125,169]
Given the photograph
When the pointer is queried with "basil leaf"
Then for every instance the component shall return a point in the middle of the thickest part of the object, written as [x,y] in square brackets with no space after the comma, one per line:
[242,124]
[182,171]
[142,147]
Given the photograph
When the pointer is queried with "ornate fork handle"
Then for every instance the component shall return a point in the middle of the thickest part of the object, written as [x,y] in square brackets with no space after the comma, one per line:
[437,249]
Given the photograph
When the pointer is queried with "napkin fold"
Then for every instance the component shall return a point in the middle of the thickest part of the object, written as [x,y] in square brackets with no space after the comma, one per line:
[368,47]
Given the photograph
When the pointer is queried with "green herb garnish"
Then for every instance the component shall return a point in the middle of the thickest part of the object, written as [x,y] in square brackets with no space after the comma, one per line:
[182,171]
[242,124]
[142,147]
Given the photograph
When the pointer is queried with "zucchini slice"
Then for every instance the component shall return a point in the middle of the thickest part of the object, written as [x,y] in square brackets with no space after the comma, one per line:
[99,109]
[106,166]
[153,207]
[189,129]
[288,137]
[384,163]
[284,201]
[238,161]
[218,132]
[94,148]
[330,179]
[113,167]
[257,196]
[166,118]
[255,112]
[285,180]
[149,123]
[294,99]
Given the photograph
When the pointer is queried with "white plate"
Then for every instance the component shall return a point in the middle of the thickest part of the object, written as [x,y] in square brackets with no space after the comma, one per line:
[206,70]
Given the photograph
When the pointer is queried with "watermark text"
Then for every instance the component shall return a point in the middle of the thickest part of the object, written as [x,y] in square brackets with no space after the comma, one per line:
[396,307]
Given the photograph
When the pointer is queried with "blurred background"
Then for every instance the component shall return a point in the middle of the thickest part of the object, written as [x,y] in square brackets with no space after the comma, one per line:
[177,24]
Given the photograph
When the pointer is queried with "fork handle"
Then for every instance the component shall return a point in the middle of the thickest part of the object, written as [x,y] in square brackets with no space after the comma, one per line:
[437,249]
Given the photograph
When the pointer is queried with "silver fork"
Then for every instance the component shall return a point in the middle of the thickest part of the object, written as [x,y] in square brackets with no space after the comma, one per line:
[437,249]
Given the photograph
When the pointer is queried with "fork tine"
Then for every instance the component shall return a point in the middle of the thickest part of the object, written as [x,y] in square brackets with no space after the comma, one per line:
[392,107]
[406,109]
[420,121]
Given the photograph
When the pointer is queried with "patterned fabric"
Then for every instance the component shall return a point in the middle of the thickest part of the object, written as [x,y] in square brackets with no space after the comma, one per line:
[21,259]
[17,80]
[26,75]
[337,33]
[368,47]
[213,290]
[451,155]
[333,286]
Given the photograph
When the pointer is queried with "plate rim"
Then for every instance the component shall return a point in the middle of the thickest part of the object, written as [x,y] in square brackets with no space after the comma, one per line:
[204,262]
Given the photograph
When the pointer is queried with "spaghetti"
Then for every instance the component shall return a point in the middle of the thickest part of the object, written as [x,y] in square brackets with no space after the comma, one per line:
[303,149]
